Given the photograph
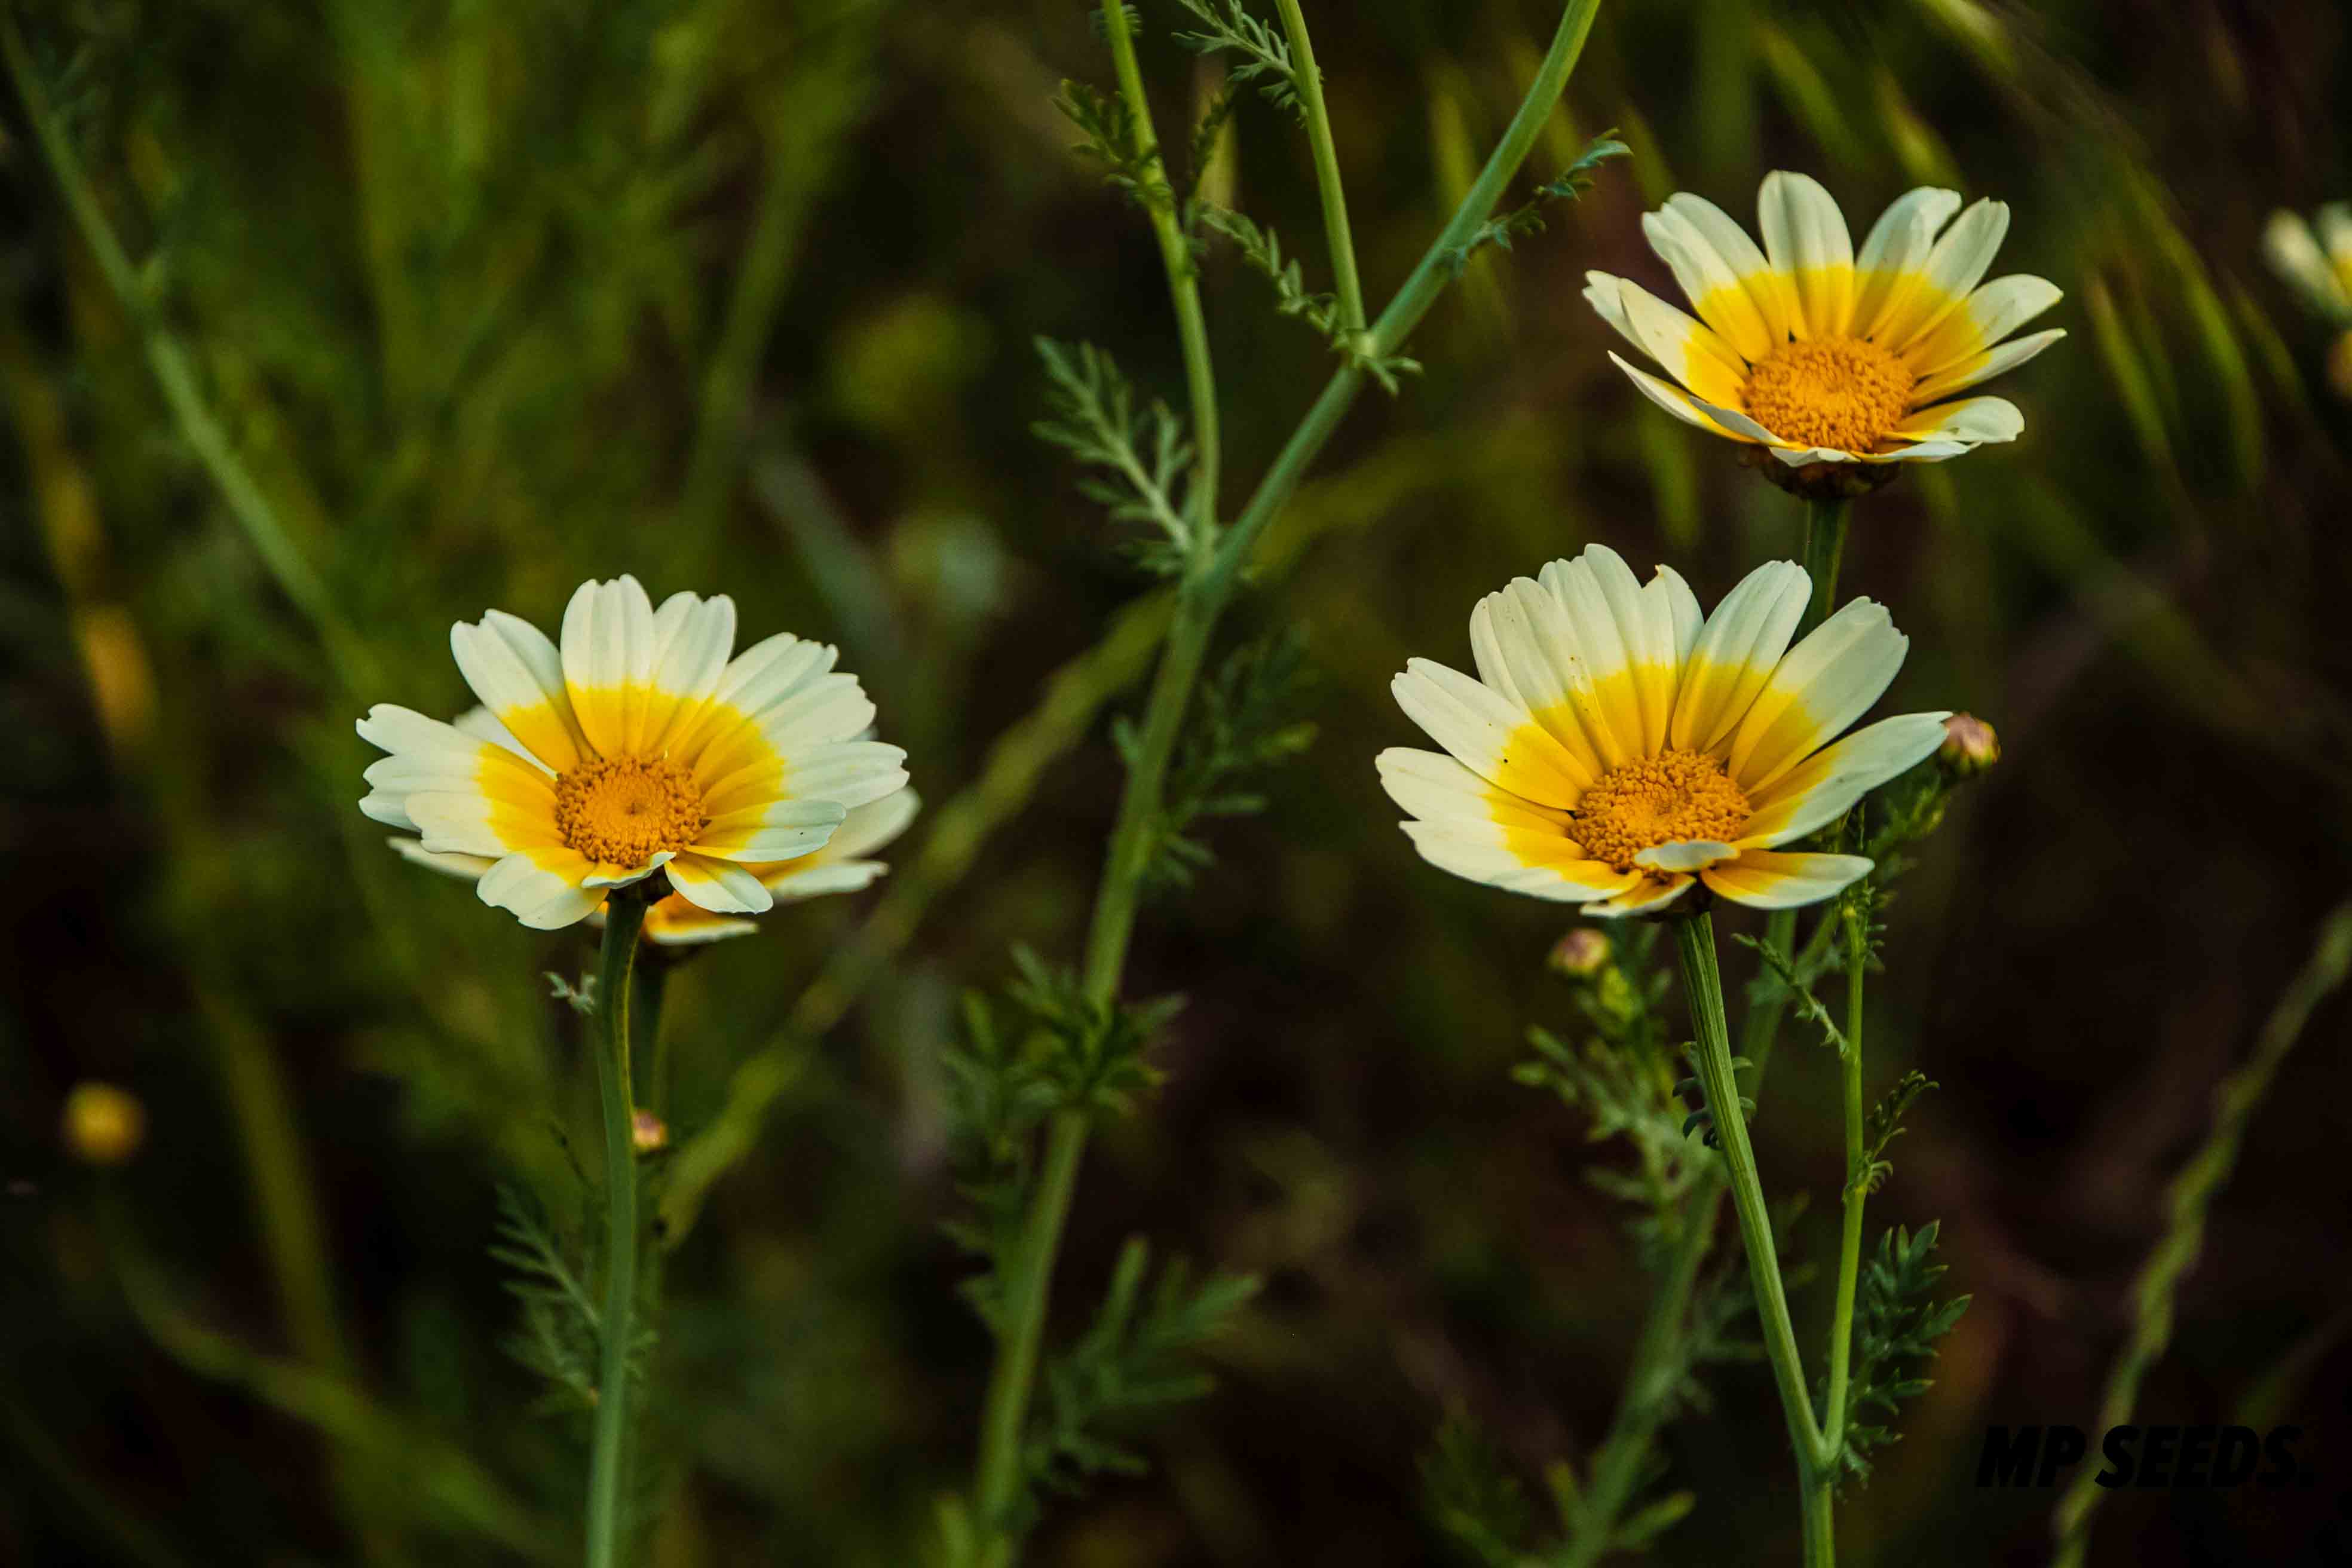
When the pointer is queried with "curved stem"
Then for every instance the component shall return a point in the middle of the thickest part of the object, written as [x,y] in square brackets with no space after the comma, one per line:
[1183,287]
[1308,80]
[1211,575]
[1702,986]
[1857,1193]
[626,914]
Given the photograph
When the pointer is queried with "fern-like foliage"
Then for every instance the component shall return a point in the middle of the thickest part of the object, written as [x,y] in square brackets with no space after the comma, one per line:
[1142,451]
[560,1329]
[1243,726]
[1262,249]
[1136,1358]
[1884,1126]
[1896,1331]
[1109,135]
[1050,1048]
[1260,55]
[1528,218]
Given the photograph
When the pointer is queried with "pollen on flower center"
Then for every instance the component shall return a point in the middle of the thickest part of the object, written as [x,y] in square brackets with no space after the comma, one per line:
[620,811]
[1839,392]
[1667,799]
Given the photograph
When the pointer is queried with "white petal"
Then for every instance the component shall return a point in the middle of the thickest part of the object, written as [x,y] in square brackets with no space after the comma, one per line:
[1825,683]
[608,655]
[541,898]
[1572,882]
[518,675]
[1955,267]
[1993,362]
[781,830]
[1971,419]
[1645,897]
[1806,237]
[1984,319]
[720,886]
[1674,401]
[1492,736]
[1718,295]
[1684,855]
[469,867]
[1888,268]
[1769,880]
[1737,652]
[1823,787]
[1770,291]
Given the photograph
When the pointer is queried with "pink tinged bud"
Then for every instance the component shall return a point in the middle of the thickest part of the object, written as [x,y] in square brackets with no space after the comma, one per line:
[1580,955]
[104,1125]
[1969,746]
[648,1133]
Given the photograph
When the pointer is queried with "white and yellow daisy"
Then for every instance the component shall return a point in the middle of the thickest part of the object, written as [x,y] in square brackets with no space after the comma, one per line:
[838,866]
[1821,356]
[638,747]
[1616,748]
[2315,257]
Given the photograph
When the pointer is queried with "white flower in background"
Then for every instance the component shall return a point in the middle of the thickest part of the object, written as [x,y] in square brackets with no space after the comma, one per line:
[1822,355]
[638,747]
[1616,748]
[2315,258]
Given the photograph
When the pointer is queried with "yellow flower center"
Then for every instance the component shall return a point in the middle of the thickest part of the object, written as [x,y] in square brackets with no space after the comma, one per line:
[1839,392]
[1672,797]
[620,811]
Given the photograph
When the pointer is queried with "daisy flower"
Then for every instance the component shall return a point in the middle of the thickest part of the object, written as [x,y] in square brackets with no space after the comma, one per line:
[837,867]
[1615,749]
[638,747]
[1821,355]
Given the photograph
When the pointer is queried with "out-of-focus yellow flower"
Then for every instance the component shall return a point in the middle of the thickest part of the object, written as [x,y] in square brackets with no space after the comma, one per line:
[1616,748]
[102,1124]
[637,747]
[1821,354]
[649,1133]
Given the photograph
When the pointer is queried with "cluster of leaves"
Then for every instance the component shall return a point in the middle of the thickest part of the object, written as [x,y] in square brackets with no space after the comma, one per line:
[1261,56]
[561,1334]
[1262,249]
[1136,1358]
[1897,1327]
[1110,136]
[1528,217]
[1480,1507]
[1243,723]
[1054,1048]
[1096,419]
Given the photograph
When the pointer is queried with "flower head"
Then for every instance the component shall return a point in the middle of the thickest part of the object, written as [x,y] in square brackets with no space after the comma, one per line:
[1616,746]
[637,747]
[1821,356]
[1580,955]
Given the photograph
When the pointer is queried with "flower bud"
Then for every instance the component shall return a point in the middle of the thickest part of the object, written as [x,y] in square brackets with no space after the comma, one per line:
[1582,953]
[649,1133]
[104,1125]
[1969,746]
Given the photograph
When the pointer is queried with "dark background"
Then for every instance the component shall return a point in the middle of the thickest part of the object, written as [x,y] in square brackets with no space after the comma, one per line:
[738,296]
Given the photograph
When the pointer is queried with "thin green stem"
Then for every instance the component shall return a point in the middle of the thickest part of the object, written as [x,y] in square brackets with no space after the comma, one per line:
[1309,82]
[175,375]
[1183,288]
[1857,1193]
[1703,988]
[1412,301]
[1825,526]
[1211,575]
[2191,1195]
[625,915]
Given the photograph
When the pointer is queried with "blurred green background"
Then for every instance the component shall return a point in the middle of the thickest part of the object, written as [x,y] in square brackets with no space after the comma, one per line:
[738,296]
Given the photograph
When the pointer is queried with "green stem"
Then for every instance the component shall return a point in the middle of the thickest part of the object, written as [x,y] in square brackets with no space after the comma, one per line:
[625,915]
[1857,1194]
[1412,301]
[1308,80]
[2190,1195]
[1702,986]
[1213,571]
[175,375]
[1825,526]
[1183,289]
